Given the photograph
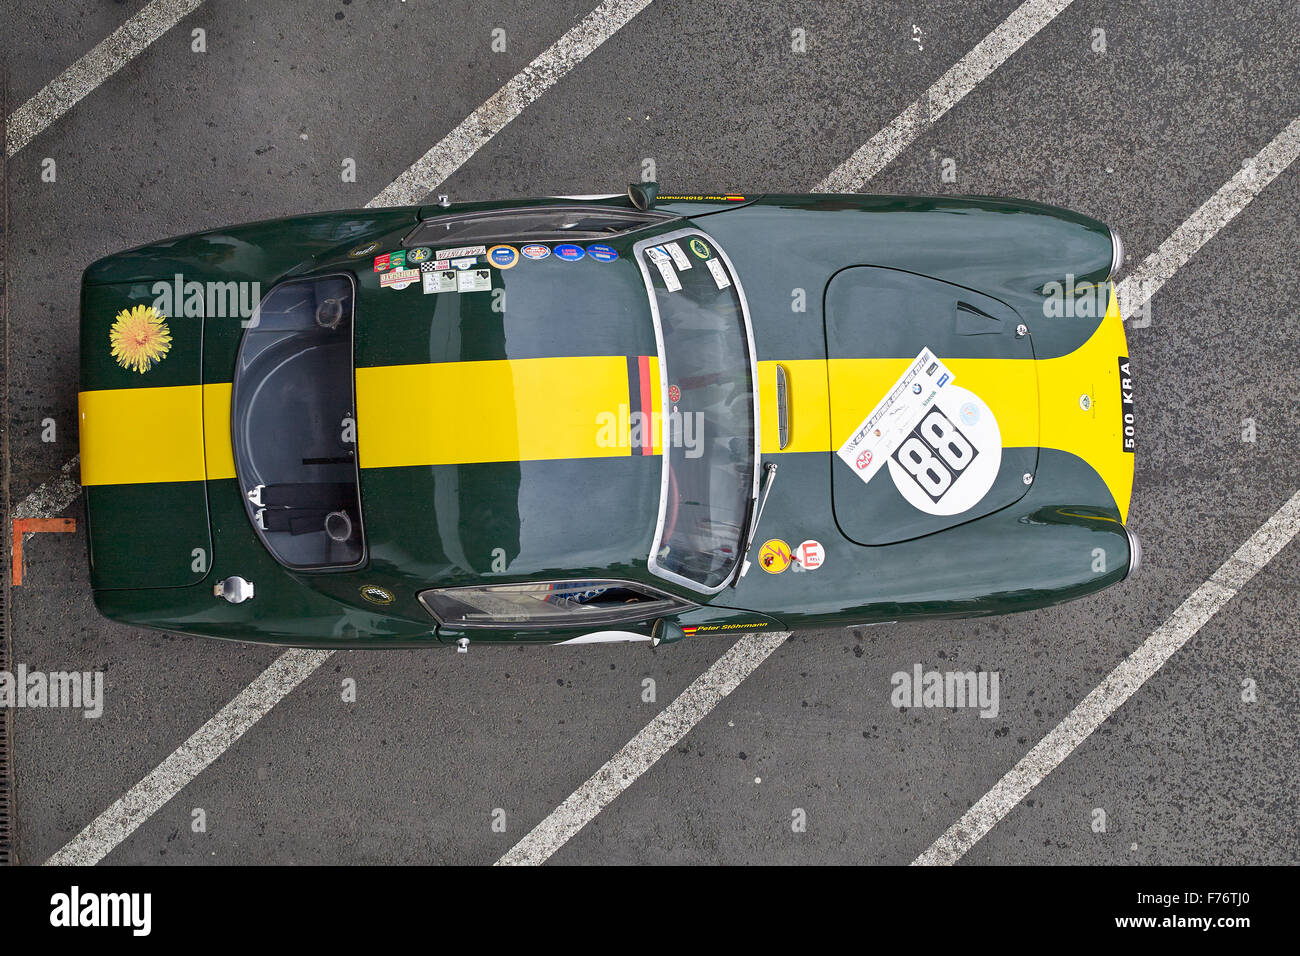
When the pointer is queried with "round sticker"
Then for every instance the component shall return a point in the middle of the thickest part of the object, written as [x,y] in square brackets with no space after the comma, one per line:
[365,250]
[418,254]
[774,555]
[602,252]
[376,595]
[535,251]
[864,459]
[674,393]
[950,460]
[569,252]
[699,248]
[810,555]
[503,257]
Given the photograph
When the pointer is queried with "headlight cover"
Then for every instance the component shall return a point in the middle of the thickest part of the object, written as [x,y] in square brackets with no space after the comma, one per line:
[1134,553]
[1116,253]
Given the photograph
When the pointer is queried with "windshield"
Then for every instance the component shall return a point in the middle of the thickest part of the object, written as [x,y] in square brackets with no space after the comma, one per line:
[710,429]
[292,425]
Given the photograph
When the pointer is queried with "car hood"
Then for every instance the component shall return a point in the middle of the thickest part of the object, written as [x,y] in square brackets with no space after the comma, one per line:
[951,363]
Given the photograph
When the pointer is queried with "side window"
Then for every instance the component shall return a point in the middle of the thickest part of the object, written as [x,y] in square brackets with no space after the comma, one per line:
[553,604]
[539,224]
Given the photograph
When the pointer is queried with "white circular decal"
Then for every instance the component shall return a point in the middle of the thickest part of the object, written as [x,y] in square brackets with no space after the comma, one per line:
[950,460]
[810,555]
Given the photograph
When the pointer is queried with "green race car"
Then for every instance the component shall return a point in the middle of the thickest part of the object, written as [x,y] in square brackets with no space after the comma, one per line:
[629,417]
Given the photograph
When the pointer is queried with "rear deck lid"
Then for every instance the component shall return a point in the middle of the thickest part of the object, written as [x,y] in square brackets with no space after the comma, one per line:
[933,404]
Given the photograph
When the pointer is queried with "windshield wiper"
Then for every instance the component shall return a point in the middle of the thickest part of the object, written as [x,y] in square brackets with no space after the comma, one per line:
[755,515]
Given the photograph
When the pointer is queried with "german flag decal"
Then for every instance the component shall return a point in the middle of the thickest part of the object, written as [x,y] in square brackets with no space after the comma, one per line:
[645,418]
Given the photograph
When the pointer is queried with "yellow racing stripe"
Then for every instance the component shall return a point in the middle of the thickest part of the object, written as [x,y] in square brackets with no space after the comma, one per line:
[512,410]
[551,408]
[130,435]
[827,401]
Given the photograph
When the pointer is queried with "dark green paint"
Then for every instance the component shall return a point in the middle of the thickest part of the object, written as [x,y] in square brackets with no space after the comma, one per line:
[439,526]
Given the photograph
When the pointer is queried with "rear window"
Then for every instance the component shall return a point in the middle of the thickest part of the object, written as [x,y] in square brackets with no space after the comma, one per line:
[293,426]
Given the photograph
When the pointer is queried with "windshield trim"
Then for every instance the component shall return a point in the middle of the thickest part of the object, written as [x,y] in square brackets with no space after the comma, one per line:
[637,250]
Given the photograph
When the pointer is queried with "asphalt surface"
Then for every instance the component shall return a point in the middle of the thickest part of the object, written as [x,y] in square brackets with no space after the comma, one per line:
[256,127]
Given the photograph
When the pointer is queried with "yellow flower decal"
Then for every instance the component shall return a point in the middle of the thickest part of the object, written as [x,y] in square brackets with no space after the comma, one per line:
[140,338]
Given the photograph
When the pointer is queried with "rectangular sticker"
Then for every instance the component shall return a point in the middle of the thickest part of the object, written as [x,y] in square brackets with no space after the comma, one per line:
[459,252]
[679,257]
[399,278]
[719,274]
[1127,425]
[442,263]
[439,281]
[462,263]
[895,415]
[670,276]
[657,254]
[474,280]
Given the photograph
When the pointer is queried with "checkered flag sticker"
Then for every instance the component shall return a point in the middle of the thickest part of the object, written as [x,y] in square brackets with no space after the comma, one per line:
[428,266]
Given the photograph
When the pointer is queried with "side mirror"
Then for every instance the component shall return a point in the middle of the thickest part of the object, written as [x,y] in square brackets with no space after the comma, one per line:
[666,631]
[643,195]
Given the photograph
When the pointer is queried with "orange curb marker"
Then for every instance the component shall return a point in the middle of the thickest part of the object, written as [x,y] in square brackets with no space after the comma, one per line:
[24,526]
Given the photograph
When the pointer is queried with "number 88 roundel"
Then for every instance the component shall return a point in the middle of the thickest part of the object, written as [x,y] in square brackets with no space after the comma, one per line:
[950,460]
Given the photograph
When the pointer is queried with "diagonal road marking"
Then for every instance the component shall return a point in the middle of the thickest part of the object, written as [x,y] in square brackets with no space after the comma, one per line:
[1119,685]
[659,736]
[1215,213]
[435,166]
[52,496]
[189,759]
[962,77]
[107,57]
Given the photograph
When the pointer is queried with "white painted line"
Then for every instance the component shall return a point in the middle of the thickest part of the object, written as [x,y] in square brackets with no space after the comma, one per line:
[437,165]
[1118,687]
[962,77]
[189,760]
[106,58]
[1215,213]
[637,756]
[53,496]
